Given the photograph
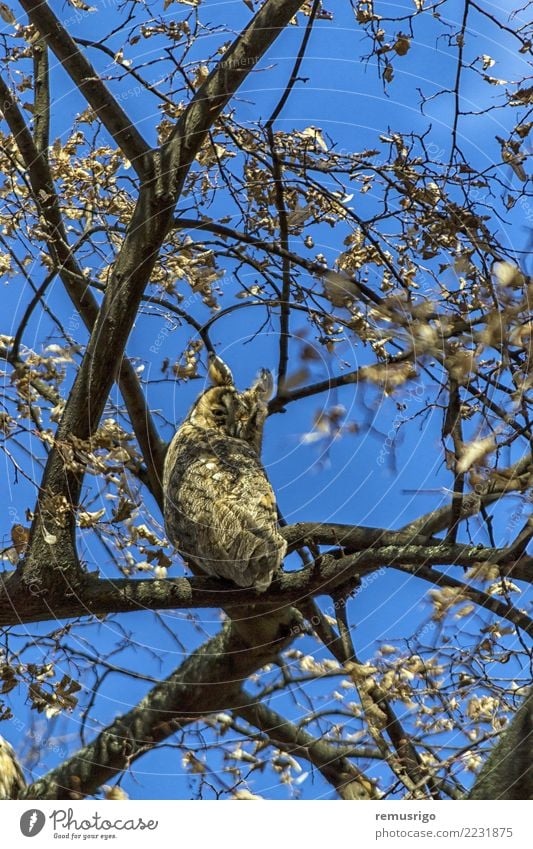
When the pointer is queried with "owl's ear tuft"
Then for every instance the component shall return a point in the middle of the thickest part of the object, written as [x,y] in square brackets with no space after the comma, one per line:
[219,373]
[263,385]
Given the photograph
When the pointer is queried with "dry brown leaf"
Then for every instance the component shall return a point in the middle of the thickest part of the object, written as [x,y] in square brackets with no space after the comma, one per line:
[474,452]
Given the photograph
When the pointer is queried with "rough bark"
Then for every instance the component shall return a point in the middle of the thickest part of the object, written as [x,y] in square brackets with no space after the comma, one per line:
[209,680]
[92,595]
[508,772]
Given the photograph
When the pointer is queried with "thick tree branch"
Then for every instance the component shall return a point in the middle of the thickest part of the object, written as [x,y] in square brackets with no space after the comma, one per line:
[95,596]
[351,537]
[41,101]
[508,772]
[209,680]
[453,427]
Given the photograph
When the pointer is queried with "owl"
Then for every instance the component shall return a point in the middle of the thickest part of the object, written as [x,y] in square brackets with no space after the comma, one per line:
[11,777]
[220,510]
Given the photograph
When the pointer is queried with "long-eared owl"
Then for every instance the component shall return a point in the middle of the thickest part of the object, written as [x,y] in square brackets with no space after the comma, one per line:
[220,510]
[11,777]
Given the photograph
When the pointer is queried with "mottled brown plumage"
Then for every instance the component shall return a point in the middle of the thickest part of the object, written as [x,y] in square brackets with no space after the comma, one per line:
[11,777]
[220,510]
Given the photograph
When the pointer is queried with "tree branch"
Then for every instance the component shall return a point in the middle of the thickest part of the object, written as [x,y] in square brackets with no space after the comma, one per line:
[94,596]
[517,477]
[86,78]
[508,772]
[51,541]
[277,170]
[41,101]
[331,761]
[483,599]
[75,283]
[209,680]
[224,80]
